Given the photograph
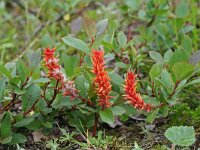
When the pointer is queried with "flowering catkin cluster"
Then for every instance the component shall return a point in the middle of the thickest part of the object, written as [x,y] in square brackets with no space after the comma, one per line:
[131,94]
[101,80]
[54,71]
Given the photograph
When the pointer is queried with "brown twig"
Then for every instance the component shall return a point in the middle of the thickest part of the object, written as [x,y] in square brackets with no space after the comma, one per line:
[15,97]
[32,107]
[81,98]
[25,83]
[118,55]
[10,103]
[95,125]
[54,94]
[129,34]
[44,93]
[174,90]
[153,92]
[81,59]
[153,18]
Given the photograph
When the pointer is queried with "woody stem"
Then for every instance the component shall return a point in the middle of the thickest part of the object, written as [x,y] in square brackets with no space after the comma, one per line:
[15,97]
[54,94]
[95,125]
[174,91]
[32,107]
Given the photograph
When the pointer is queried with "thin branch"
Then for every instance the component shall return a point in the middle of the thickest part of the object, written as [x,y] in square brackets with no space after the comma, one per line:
[44,93]
[54,94]
[32,107]
[81,59]
[153,18]
[153,92]
[95,125]
[15,97]
[174,90]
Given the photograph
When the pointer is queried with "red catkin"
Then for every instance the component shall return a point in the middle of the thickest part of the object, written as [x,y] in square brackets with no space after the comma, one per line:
[101,80]
[131,94]
[54,71]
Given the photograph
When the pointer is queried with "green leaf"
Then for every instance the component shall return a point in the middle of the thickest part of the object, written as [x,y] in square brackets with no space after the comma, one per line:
[108,40]
[187,45]
[101,26]
[152,115]
[90,27]
[31,95]
[81,85]
[142,14]
[187,29]
[6,45]
[181,135]
[4,71]
[182,70]
[117,110]
[65,101]
[23,122]
[85,109]
[34,125]
[15,81]
[17,138]
[97,42]
[107,116]
[166,80]
[47,124]
[156,56]
[22,70]
[133,4]
[182,10]
[2,88]
[130,110]
[162,30]
[6,125]
[70,64]
[91,91]
[18,90]
[121,65]
[46,40]
[76,43]
[87,74]
[178,56]
[34,58]
[6,140]
[165,111]
[155,71]
[181,84]
[197,81]
[42,80]
[167,56]
[122,39]
[115,78]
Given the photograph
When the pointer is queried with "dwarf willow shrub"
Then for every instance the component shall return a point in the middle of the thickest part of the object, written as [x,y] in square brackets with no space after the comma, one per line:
[89,88]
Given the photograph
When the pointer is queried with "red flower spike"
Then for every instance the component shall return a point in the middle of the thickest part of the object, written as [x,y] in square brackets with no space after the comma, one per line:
[101,80]
[54,71]
[131,94]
